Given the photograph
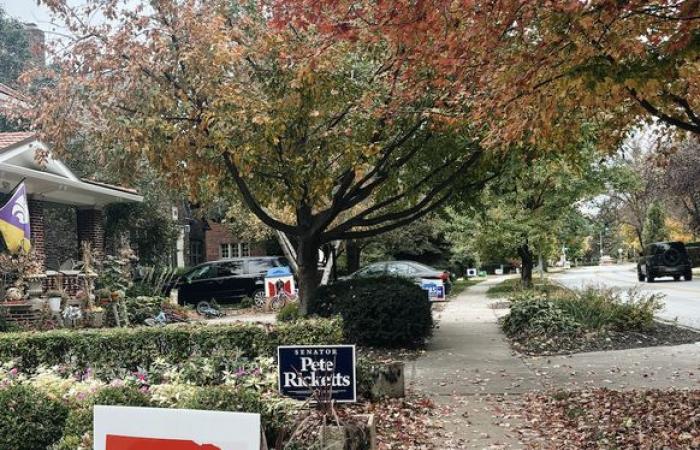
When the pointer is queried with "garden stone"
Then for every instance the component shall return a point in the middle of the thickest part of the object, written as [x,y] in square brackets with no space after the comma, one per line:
[358,436]
[388,380]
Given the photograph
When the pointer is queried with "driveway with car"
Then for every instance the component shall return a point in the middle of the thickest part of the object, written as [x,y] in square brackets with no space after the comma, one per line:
[226,280]
[407,269]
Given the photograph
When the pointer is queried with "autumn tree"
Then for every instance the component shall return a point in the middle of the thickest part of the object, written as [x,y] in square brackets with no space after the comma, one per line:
[680,181]
[609,62]
[323,137]
[535,69]
[525,211]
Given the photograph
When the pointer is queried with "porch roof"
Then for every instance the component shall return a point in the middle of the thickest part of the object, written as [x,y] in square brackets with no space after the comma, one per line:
[53,182]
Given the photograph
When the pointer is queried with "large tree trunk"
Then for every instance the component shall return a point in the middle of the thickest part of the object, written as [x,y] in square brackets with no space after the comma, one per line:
[307,260]
[352,253]
[527,260]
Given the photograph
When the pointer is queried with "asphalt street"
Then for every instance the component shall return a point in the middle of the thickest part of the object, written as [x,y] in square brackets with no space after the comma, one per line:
[681,298]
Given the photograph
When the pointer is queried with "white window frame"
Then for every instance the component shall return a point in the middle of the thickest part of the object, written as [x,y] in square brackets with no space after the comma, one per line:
[234,250]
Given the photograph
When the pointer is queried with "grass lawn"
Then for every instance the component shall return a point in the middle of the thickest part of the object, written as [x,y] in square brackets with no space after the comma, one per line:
[512,285]
[461,284]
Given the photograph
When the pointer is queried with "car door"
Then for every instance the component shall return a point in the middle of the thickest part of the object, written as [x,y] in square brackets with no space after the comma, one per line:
[231,280]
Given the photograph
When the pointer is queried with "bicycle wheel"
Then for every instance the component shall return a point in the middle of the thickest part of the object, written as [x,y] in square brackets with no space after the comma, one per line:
[278,302]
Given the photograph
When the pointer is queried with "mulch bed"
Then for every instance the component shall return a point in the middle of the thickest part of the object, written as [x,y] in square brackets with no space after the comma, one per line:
[661,334]
[607,419]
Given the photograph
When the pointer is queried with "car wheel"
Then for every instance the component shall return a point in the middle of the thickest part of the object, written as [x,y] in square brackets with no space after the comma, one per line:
[676,278]
[259,298]
[688,275]
[640,275]
[650,278]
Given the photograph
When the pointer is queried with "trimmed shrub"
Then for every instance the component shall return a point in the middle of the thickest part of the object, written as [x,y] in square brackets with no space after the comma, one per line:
[535,315]
[382,311]
[130,348]
[78,425]
[29,420]
[273,413]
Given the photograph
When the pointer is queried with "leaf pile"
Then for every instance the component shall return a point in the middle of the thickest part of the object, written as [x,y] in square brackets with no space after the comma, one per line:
[607,419]
[406,424]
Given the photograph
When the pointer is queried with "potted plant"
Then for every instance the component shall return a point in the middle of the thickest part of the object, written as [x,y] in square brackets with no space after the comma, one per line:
[95,317]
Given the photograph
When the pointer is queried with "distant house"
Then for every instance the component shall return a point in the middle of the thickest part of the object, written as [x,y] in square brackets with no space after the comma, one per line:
[210,240]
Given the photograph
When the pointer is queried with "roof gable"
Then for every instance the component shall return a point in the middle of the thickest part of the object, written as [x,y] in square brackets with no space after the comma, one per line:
[19,149]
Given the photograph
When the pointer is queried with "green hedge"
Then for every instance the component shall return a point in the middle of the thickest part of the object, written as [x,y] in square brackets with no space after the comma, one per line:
[138,347]
[378,311]
[29,420]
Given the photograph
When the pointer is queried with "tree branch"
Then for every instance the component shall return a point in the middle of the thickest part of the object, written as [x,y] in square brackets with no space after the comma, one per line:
[252,202]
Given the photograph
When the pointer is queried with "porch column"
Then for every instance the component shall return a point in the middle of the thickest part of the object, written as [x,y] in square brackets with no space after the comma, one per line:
[36,224]
[91,229]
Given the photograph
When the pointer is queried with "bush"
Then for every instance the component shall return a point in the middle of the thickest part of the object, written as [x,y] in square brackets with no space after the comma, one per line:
[533,314]
[289,313]
[382,311]
[130,348]
[29,420]
[607,309]
[79,422]
[273,413]
[591,309]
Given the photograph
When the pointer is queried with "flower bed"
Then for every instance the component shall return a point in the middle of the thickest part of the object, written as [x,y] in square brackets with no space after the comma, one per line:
[588,320]
[103,349]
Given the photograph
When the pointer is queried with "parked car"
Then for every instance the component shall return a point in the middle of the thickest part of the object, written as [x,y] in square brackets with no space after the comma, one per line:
[664,259]
[408,269]
[226,280]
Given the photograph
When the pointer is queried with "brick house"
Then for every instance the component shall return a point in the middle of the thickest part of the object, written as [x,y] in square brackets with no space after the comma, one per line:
[210,240]
[53,185]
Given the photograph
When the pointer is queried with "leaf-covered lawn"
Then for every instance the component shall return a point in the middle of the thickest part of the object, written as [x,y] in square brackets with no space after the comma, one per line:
[606,419]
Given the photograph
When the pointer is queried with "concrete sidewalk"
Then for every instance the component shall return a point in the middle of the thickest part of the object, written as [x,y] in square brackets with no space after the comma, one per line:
[470,369]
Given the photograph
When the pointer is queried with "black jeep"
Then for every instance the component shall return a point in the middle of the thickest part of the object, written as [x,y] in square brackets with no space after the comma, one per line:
[664,259]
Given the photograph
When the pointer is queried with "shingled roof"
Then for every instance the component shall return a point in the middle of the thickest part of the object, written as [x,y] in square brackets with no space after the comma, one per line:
[8,140]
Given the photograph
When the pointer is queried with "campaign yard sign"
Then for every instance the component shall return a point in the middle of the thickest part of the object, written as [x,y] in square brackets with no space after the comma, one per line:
[304,369]
[435,288]
[129,428]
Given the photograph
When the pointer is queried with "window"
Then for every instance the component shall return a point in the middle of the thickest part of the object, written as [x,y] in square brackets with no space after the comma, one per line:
[399,269]
[235,250]
[196,256]
[202,273]
[230,268]
[260,265]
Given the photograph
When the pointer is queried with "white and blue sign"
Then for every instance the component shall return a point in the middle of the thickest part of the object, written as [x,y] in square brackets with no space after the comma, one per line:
[435,288]
[305,369]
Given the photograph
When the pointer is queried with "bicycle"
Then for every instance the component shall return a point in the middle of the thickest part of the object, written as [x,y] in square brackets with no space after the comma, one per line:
[164,318]
[208,310]
[281,297]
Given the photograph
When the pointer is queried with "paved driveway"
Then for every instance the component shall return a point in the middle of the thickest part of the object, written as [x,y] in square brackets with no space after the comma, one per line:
[682,298]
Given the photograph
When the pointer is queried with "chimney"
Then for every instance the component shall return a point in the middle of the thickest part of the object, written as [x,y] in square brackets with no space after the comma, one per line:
[37,44]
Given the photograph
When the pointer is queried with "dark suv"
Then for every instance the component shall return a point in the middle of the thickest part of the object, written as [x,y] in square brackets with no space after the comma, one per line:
[226,280]
[664,259]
